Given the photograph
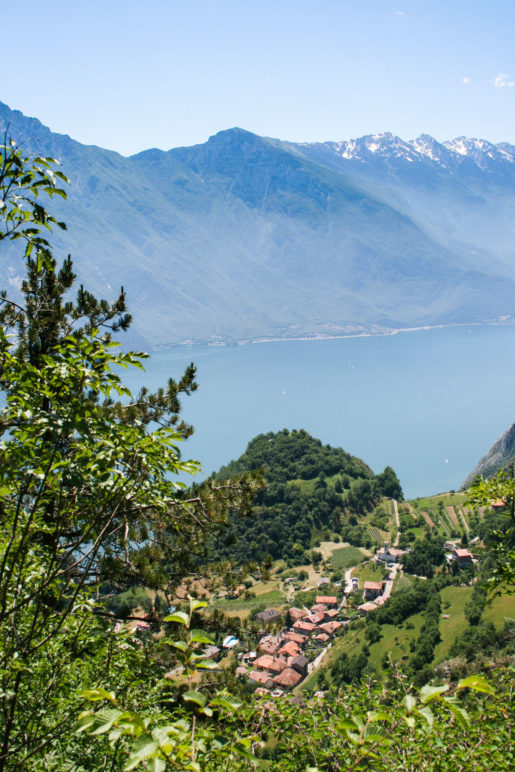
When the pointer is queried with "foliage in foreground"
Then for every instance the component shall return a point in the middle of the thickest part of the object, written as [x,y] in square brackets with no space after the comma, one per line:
[89,495]
[501,542]
[365,727]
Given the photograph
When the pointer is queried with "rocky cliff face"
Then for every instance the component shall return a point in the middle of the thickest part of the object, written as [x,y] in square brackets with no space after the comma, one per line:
[500,454]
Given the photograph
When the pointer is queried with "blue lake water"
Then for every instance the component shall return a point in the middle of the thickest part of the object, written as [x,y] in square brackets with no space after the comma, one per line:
[429,403]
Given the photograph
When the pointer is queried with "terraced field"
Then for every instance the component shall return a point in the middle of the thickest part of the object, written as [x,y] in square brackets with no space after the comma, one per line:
[448,513]
[377,535]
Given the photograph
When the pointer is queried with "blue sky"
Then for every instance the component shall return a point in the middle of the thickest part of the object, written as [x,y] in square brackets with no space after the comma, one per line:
[128,75]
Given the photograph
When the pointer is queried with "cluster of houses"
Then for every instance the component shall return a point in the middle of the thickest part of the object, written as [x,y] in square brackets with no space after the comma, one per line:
[377,593]
[373,596]
[279,662]
[462,556]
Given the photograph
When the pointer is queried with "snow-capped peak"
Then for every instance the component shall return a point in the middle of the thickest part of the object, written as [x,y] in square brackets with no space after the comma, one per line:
[424,148]
[481,151]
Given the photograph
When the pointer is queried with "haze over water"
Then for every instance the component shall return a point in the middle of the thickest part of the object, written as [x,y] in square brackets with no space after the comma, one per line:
[428,403]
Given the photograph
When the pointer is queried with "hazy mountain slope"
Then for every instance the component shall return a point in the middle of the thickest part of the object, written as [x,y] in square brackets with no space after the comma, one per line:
[500,455]
[244,237]
[461,193]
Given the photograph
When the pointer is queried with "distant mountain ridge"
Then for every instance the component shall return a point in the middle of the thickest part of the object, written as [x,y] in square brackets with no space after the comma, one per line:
[446,154]
[245,237]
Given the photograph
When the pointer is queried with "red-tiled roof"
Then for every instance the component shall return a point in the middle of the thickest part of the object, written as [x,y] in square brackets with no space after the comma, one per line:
[462,553]
[297,613]
[290,648]
[330,627]
[304,627]
[261,690]
[315,619]
[322,637]
[332,613]
[296,638]
[373,585]
[326,599]
[267,648]
[366,607]
[289,677]
[260,677]
[269,644]
[274,664]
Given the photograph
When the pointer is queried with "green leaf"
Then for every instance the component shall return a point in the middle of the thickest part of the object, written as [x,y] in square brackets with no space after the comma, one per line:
[378,715]
[460,713]
[94,695]
[427,713]
[347,725]
[206,664]
[199,636]
[477,683]
[428,693]
[197,697]
[179,617]
[181,645]
[195,604]
[86,722]
[105,720]
[156,764]
[225,702]
[410,702]
[144,747]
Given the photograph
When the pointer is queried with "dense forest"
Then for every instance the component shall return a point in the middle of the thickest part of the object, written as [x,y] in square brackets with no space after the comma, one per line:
[313,492]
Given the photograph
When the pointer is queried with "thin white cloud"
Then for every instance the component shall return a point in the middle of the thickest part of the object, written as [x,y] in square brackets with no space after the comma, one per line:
[502,80]
[400,13]
[465,80]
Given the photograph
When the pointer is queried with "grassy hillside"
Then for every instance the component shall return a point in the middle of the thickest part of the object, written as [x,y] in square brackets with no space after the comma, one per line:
[453,606]
[344,557]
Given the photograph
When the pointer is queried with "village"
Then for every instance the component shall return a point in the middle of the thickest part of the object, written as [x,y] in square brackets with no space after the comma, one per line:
[292,643]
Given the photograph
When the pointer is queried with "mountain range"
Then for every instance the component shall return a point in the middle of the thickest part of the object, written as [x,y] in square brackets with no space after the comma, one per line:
[245,237]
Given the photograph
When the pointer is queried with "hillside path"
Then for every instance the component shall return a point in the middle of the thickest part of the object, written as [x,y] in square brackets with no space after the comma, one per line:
[463,519]
[397,522]
[318,659]
[427,519]
[348,583]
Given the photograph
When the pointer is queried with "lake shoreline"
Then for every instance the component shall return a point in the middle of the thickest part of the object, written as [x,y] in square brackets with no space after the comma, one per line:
[320,337]
[429,404]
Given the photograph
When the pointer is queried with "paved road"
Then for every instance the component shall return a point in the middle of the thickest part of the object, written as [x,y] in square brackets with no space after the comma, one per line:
[348,582]
[388,585]
[318,659]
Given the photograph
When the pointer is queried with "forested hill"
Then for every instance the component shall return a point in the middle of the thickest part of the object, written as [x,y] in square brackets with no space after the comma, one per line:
[292,455]
[314,492]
